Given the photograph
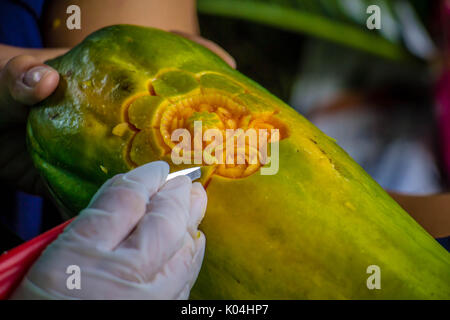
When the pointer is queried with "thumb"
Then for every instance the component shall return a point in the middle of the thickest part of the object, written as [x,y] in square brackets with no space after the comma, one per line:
[24,81]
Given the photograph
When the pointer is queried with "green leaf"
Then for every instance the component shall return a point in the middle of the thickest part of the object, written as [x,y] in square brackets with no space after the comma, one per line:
[334,20]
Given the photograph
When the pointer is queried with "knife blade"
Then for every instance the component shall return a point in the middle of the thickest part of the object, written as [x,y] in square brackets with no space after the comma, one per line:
[193,173]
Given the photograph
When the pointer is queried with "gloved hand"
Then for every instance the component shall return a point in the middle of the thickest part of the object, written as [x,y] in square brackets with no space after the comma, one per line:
[137,239]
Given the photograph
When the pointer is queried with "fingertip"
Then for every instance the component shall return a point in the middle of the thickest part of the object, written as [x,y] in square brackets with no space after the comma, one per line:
[198,207]
[178,181]
[164,166]
[151,175]
[199,200]
[198,189]
[231,61]
[160,165]
[46,85]
[28,80]
[181,185]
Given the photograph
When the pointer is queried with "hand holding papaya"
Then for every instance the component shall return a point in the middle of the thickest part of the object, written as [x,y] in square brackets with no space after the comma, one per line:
[24,81]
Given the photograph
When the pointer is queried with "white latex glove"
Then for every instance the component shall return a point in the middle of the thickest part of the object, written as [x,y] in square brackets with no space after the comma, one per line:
[137,239]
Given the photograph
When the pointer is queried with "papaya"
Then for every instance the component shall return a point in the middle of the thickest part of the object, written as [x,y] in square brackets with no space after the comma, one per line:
[319,228]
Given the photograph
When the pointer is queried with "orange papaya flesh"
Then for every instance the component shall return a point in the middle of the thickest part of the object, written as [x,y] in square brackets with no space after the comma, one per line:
[310,231]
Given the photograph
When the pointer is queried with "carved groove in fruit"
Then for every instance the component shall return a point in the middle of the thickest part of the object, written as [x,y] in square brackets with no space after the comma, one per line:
[217,110]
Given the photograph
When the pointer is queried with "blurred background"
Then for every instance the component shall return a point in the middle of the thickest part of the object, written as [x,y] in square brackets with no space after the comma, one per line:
[372,90]
[384,95]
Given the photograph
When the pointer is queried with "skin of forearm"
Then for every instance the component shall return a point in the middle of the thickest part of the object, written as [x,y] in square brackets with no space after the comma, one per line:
[432,212]
[179,15]
[169,15]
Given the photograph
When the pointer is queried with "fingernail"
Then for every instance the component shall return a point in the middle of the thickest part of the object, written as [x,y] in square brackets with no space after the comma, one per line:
[34,75]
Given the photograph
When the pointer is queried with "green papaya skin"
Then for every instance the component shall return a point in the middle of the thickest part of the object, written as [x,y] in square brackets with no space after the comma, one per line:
[308,232]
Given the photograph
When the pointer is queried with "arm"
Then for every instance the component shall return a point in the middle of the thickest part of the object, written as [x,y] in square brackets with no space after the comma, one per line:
[432,212]
[8,52]
[180,15]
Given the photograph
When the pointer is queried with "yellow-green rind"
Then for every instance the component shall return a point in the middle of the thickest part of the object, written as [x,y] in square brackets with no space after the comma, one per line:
[308,232]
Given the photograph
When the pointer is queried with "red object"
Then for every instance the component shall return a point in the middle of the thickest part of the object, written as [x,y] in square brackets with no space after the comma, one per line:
[15,263]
